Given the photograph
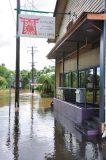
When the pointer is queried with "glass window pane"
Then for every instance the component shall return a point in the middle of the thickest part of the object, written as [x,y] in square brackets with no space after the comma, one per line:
[89,78]
[89,96]
[98,78]
[89,85]
[74,79]
[61,80]
[66,80]
[82,79]
[97,101]
[97,86]
[70,80]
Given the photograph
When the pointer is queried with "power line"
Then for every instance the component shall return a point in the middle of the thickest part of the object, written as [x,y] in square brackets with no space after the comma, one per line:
[12,12]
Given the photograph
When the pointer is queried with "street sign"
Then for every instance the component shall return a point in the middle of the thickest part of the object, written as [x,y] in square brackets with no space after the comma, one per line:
[36,26]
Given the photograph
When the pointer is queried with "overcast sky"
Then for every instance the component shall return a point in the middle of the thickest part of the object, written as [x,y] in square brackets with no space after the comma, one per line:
[8,34]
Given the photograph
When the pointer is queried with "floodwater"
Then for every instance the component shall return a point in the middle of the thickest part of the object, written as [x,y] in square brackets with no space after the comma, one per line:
[35,134]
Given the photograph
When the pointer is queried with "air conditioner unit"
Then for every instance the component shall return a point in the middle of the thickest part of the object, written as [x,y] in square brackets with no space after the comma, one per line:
[80,95]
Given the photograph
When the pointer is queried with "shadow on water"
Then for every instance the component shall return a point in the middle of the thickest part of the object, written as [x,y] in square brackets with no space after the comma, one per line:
[32,117]
[34,134]
[16,133]
[8,136]
[13,135]
[71,144]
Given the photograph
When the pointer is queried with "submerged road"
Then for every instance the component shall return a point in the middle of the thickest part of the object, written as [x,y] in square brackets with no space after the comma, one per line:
[36,135]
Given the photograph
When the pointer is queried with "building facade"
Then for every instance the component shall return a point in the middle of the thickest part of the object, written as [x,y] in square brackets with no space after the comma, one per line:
[79,53]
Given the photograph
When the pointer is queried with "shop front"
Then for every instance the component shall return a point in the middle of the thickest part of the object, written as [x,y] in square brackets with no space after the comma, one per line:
[80,64]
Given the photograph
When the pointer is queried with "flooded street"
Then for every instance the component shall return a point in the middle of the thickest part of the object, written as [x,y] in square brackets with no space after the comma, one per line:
[36,135]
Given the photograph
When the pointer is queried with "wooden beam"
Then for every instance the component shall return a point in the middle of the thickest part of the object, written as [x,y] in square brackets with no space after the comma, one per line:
[99,16]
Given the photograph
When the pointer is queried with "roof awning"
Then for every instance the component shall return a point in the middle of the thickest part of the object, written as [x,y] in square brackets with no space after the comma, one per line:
[86,29]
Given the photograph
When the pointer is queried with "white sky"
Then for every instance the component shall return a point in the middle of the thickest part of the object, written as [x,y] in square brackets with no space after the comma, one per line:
[8,34]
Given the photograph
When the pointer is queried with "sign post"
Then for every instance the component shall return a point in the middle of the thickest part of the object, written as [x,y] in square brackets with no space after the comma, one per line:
[30,26]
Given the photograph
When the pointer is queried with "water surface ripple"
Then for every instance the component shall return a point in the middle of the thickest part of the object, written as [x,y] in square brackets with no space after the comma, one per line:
[34,134]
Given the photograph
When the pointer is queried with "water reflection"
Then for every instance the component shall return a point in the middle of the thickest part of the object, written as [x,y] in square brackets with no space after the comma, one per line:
[9,124]
[44,104]
[16,133]
[68,147]
[4,99]
[103,149]
[34,134]
[32,117]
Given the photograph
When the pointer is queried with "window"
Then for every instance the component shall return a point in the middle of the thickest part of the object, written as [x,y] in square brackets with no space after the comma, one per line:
[74,79]
[82,79]
[93,85]
[66,80]
[61,80]
[70,79]
[89,85]
[97,86]
[89,79]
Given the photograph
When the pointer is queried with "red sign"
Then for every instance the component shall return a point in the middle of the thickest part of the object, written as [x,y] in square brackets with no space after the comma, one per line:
[29,26]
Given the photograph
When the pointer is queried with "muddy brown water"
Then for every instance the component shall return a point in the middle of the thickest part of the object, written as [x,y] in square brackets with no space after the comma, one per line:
[35,134]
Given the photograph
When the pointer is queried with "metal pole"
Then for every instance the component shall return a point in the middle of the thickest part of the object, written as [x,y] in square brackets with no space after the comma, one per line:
[77,64]
[102,77]
[102,113]
[102,70]
[17,60]
[63,76]
[32,65]
[10,98]
[63,70]
[32,70]
[55,95]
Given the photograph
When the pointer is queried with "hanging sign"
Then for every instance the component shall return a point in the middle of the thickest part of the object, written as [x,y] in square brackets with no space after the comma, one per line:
[36,26]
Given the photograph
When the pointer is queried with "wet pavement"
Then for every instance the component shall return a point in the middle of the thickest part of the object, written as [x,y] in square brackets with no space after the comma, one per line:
[35,134]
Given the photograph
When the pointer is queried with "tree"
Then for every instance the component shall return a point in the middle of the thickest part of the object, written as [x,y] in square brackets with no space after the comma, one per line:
[3,83]
[25,77]
[46,78]
[6,74]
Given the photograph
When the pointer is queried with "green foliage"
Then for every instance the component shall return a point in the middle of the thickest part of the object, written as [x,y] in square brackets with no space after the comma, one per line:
[39,87]
[3,83]
[6,74]
[42,76]
[25,76]
[46,77]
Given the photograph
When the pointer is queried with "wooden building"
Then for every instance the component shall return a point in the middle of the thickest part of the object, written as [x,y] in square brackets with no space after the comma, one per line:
[79,54]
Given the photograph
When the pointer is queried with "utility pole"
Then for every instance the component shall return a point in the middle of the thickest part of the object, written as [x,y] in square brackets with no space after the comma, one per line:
[32,70]
[17,78]
[32,64]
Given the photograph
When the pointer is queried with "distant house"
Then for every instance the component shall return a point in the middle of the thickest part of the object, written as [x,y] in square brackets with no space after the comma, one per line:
[79,51]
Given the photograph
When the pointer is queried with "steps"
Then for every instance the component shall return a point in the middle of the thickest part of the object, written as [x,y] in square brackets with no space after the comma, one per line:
[89,127]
